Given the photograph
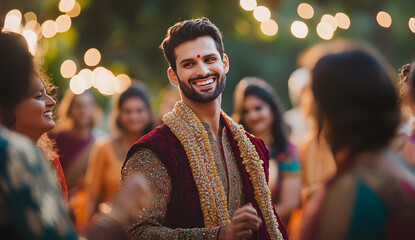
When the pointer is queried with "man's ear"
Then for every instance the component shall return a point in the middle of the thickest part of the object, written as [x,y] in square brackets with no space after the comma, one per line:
[172,77]
[225,63]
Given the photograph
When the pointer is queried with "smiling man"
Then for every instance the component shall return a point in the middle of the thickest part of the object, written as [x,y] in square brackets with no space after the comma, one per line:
[208,176]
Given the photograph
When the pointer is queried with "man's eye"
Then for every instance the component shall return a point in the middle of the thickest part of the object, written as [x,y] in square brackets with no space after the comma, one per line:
[39,96]
[188,64]
[211,59]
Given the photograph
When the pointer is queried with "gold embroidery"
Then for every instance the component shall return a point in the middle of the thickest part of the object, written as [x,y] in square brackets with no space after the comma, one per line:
[236,198]
[149,225]
[253,165]
[186,126]
[189,130]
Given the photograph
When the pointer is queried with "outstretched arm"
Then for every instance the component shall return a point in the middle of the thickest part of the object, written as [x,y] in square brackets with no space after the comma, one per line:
[150,224]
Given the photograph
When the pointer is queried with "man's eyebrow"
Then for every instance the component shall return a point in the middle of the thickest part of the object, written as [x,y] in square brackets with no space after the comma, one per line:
[186,60]
[210,55]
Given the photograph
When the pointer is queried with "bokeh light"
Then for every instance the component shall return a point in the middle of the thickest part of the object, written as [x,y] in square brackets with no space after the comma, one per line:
[49,29]
[411,24]
[248,5]
[98,73]
[343,21]
[123,83]
[270,27]
[75,11]
[384,19]
[31,38]
[63,23]
[12,20]
[66,5]
[299,29]
[68,69]
[88,77]
[330,20]
[106,82]
[30,16]
[34,26]
[77,84]
[305,11]
[325,31]
[92,57]
[262,14]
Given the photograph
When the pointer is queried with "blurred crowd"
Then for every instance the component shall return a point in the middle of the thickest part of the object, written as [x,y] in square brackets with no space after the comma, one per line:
[348,140]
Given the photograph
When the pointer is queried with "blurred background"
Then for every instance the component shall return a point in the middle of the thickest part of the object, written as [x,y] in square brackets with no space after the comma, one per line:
[77,41]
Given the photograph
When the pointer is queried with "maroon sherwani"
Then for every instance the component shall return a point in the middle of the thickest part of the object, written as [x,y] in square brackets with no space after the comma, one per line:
[183,210]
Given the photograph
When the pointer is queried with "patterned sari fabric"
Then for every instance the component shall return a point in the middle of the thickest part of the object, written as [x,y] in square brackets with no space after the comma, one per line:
[31,205]
[365,201]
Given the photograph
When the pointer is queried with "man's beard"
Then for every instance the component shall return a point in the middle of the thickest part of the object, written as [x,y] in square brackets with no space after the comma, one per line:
[193,95]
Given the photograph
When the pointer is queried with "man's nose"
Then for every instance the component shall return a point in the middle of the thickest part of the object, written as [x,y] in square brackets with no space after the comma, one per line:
[202,69]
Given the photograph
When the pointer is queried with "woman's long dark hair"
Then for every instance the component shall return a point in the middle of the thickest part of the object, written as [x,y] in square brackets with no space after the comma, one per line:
[357,99]
[251,86]
[17,68]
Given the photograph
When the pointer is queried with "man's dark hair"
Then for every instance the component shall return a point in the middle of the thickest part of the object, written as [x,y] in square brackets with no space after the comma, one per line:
[186,31]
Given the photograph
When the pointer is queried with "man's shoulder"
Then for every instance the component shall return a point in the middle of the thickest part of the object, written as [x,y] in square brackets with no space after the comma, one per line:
[159,130]
[159,134]
[158,140]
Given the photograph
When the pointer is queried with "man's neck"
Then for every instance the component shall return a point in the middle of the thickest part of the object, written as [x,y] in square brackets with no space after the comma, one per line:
[207,112]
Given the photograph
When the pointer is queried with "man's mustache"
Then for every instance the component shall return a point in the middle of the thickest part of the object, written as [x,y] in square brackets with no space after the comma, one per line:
[204,77]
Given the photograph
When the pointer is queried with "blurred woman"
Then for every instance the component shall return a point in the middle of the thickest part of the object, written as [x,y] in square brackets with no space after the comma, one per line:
[257,108]
[133,119]
[372,194]
[75,134]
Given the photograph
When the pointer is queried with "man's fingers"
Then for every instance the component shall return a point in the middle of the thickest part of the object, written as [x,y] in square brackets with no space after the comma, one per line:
[246,208]
[243,234]
[246,217]
[246,225]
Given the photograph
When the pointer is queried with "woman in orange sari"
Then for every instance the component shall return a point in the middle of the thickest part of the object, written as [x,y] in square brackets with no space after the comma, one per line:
[132,119]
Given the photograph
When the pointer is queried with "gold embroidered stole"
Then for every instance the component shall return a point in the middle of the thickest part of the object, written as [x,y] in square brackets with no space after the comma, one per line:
[187,127]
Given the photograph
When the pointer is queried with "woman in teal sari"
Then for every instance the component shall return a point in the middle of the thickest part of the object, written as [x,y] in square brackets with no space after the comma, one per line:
[372,195]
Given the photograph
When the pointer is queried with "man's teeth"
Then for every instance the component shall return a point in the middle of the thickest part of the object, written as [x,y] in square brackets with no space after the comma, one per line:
[204,82]
[48,114]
